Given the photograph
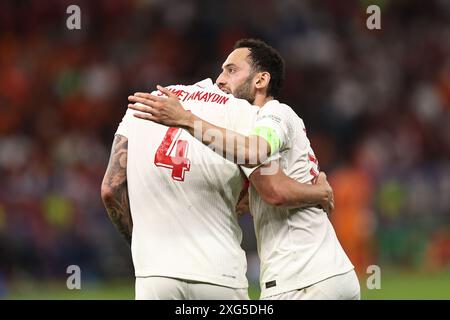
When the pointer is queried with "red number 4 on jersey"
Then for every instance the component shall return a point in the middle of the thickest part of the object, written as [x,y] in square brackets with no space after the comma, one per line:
[178,163]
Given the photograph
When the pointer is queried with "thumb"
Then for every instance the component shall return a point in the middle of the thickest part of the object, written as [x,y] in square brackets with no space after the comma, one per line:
[166,91]
[321,177]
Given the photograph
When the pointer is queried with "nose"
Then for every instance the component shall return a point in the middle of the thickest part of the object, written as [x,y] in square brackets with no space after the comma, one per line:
[220,81]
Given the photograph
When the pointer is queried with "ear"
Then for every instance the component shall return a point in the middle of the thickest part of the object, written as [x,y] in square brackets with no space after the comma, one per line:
[262,80]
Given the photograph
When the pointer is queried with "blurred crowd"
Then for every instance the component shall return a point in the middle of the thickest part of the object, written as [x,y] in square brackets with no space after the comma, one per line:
[376,104]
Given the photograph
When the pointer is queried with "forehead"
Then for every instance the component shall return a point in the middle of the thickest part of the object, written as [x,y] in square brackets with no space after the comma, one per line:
[238,57]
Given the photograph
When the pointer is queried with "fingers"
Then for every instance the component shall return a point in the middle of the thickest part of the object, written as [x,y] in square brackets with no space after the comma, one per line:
[140,107]
[330,204]
[322,177]
[325,208]
[145,109]
[145,116]
[332,201]
[329,208]
[148,96]
[150,107]
[150,99]
[166,91]
[154,98]
[143,100]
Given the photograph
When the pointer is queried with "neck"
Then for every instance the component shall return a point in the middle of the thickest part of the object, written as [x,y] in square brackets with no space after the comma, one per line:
[261,100]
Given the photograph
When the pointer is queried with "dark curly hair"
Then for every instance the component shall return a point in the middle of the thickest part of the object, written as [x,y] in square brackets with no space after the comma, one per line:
[265,58]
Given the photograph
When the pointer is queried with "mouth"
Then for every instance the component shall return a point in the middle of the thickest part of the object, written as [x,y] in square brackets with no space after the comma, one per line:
[226,90]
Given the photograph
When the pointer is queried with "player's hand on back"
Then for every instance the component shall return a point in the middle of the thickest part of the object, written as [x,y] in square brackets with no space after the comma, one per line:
[327,202]
[164,110]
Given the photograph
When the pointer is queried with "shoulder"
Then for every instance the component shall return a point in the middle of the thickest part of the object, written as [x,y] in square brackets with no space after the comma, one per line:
[276,107]
[276,112]
[282,114]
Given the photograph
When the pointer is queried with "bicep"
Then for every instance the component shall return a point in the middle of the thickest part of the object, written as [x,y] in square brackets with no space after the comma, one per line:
[116,172]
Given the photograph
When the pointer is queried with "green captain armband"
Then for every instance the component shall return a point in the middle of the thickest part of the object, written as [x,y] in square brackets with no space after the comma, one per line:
[270,136]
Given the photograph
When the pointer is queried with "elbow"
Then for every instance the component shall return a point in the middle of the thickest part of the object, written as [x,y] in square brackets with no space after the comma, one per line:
[274,197]
[107,193]
[276,201]
[111,191]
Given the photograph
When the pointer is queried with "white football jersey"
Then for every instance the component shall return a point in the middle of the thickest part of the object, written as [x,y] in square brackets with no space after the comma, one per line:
[183,195]
[297,247]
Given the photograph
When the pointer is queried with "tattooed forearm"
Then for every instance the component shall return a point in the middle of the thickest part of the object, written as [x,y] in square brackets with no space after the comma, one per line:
[119,213]
[114,188]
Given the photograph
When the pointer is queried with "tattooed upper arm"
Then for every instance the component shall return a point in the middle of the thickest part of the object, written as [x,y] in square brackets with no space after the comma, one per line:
[114,188]
[116,173]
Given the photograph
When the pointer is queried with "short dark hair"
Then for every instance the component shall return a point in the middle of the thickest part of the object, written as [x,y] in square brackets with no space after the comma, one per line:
[265,58]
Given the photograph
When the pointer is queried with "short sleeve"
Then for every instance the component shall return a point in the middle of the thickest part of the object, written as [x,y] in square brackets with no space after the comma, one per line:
[274,123]
[249,171]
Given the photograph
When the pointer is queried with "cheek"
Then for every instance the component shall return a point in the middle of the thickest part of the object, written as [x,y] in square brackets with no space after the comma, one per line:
[237,81]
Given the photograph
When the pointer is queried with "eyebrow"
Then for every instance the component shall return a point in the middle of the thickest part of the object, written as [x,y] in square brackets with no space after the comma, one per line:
[228,65]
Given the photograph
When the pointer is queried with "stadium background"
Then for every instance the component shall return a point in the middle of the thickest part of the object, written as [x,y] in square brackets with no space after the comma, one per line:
[376,105]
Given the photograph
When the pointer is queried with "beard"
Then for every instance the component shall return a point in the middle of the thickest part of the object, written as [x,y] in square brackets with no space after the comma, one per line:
[244,91]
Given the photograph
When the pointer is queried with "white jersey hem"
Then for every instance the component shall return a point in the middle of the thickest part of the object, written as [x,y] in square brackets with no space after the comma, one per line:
[195,277]
[267,293]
